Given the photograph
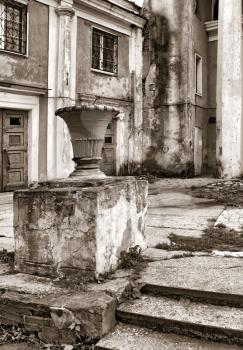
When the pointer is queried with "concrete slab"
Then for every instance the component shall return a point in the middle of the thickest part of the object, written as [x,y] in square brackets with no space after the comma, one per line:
[178,222]
[173,183]
[156,235]
[117,287]
[126,337]
[204,273]
[185,317]
[20,346]
[177,211]
[161,254]
[231,218]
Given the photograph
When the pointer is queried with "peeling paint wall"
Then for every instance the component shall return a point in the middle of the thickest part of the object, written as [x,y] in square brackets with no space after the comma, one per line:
[31,70]
[167,112]
[172,111]
[125,90]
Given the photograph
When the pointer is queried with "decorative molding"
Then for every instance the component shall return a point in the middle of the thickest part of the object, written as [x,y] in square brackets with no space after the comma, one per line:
[212,30]
[94,10]
[65,11]
[109,101]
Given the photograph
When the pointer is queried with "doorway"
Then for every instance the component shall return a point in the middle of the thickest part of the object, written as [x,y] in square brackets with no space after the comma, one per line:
[108,162]
[13,149]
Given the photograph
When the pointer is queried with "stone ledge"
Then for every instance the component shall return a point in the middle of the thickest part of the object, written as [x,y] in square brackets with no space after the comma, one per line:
[56,314]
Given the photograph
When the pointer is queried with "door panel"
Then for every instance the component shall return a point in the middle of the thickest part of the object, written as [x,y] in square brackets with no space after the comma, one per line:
[108,152]
[198,151]
[14,149]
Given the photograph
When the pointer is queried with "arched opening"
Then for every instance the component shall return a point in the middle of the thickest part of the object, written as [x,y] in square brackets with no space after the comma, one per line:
[215,10]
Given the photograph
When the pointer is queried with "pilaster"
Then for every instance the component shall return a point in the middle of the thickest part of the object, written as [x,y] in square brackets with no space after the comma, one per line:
[229,89]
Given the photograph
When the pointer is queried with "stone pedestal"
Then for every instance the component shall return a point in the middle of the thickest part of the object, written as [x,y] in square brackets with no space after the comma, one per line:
[64,228]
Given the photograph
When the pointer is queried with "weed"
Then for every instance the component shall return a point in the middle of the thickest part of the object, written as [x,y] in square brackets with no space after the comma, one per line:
[214,238]
[7,257]
[131,258]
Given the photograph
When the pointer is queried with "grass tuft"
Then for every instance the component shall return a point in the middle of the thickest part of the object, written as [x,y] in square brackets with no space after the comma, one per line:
[214,238]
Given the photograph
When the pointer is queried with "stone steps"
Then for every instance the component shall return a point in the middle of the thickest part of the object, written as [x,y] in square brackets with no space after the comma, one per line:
[185,317]
[215,298]
[175,322]
[129,337]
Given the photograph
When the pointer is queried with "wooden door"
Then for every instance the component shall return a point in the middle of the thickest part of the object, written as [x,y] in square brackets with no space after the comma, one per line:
[108,152]
[14,147]
[198,151]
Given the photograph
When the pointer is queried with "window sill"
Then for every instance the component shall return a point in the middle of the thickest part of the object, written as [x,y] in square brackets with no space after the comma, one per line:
[198,94]
[13,53]
[103,72]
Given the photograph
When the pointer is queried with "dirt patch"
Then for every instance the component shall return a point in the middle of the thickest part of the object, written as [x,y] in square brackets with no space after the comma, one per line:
[214,238]
[15,334]
[7,257]
[229,193]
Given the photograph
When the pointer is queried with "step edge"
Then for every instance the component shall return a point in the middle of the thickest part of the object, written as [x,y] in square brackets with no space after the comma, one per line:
[201,295]
[182,327]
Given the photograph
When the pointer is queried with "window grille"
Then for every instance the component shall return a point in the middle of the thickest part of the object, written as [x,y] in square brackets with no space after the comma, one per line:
[104,51]
[13,26]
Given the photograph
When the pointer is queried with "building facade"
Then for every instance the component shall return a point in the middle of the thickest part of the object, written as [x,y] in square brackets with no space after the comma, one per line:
[55,54]
[193,87]
[174,69]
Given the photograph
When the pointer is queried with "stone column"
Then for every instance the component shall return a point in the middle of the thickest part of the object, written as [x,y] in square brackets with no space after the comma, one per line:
[229,89]
[65,12]
[65,83]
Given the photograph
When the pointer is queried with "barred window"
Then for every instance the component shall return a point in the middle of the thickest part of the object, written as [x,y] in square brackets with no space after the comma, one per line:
[104,51]
[13,26]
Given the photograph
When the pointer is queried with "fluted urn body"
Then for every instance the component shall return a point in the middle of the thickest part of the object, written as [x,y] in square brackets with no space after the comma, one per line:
[87,126]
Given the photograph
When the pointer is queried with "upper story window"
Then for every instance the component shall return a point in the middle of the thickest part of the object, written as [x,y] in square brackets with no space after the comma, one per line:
[215,10]
[104,51]
[198,75]
[13,26]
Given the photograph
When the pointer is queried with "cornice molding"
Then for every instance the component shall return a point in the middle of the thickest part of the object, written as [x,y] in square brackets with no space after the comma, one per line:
[109,8]
[65,11]
[212,30]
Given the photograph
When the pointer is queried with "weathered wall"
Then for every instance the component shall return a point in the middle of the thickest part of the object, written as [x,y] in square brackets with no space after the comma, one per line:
[212,84]
[125,90]
[200,46]
[31,70]
[80,232]
[173,112]
[167,111]
[101,84]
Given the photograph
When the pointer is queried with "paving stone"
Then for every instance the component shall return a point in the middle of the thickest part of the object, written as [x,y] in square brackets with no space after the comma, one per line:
[20,346]
[204,273]
[116,287]
[231,218]
[126,337]
[156,235]
[173,183]
[178,222]
[161,254]
[28,284]
[7,243]
[185,317]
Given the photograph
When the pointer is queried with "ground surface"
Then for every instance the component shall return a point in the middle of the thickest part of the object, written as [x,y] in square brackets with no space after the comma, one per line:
[174,208]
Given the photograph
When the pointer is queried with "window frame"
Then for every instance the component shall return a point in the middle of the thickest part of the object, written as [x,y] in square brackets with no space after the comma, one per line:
[105,31]
[214,3]
[19,4]
[198,75]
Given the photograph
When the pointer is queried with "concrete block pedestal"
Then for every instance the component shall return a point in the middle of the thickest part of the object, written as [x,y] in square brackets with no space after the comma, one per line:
[75,227]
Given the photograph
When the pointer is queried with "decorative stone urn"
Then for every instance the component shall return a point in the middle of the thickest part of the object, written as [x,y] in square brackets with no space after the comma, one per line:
[87,124]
